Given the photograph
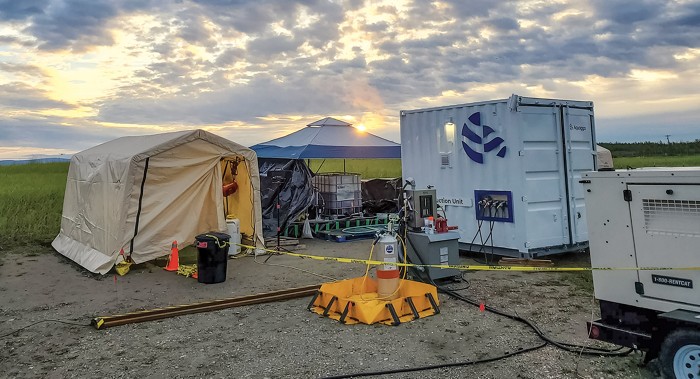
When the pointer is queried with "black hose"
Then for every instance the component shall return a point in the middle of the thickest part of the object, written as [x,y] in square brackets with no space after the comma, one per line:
[573,348]
[491,224]
[570,347]
[433,367]
[481,248]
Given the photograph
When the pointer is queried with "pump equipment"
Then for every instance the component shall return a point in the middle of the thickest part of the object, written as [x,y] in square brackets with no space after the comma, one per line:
[421,205]
[422,243]
[388,299]
[388,251]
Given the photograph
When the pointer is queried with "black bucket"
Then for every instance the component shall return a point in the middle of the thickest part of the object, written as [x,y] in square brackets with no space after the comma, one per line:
[212,255]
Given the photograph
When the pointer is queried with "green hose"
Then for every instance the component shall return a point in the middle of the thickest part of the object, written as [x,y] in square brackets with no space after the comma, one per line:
[364,229]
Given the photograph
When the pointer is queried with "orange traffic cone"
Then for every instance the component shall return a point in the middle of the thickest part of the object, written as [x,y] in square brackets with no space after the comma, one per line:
[174,260]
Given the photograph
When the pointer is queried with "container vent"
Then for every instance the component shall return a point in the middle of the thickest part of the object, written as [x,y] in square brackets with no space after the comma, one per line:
[445,159]
[672,217]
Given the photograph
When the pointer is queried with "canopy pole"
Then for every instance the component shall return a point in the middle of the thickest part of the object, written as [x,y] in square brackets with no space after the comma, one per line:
[321,165]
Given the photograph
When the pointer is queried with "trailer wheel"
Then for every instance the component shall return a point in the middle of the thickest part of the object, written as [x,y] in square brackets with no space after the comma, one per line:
[680,354]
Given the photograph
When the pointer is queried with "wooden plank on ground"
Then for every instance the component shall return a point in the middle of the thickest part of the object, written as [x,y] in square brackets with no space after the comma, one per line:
[300,246]
[283,242]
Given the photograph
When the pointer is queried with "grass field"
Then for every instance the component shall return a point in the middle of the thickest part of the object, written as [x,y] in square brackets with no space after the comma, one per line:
[31,201]
[31,196]
[391,168]
[368,168]
[658,161]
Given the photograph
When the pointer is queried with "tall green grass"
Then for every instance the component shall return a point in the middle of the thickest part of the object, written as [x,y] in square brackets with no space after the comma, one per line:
[367,168]
[658,161]
[31,195]
[31,201]
[391,168]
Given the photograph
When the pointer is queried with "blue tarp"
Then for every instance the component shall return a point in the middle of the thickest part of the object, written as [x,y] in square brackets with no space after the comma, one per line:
[316,151]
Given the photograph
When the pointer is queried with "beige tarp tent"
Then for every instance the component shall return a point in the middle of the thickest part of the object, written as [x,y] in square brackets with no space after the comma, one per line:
[142,193]
[605,159]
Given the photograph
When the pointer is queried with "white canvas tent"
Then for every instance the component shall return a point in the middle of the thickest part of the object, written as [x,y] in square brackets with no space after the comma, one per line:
[142,193]
[604,158]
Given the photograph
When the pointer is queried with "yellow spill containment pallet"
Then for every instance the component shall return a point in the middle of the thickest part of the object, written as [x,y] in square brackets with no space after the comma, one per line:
[353,301]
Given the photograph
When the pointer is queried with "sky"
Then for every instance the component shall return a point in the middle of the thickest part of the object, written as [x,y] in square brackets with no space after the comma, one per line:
[76,73]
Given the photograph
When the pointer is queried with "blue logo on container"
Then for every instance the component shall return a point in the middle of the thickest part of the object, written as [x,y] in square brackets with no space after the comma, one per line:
[486,130]
[389,249]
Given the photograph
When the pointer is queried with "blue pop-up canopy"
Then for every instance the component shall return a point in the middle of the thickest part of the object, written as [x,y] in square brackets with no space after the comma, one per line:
[328,138]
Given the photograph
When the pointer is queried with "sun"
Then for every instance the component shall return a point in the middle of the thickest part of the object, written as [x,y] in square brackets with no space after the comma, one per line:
[361,127]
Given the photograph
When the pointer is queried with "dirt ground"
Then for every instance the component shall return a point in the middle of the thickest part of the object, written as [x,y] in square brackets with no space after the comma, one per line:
[284,339]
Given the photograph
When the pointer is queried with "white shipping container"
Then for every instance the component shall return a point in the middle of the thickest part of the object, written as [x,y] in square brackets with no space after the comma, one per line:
[513,163]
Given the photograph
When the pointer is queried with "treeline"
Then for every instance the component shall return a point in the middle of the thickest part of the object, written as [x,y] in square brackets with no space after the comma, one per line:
[647,149]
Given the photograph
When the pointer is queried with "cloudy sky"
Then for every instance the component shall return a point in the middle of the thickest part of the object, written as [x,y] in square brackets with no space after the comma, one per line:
[74,73]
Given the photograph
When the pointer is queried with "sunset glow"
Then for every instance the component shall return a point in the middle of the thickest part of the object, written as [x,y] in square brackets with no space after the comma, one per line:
[77,73]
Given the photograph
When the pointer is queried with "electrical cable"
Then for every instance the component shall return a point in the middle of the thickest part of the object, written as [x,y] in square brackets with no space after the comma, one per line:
[39,322]
[570,347]
[471,244]
[364,278]
[578,360]
[222,180]
[484,242]
[491,225]
[437,366]
[478,226]
[444,212]
[404,258]
[319,167]
[252,210]
[481,247]
[464,280]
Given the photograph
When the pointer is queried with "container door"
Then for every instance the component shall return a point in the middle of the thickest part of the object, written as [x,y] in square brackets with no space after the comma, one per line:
[666,225]
[545,198]
[580,157]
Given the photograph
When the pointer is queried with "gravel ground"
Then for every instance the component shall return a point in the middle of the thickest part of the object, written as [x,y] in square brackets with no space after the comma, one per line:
[284,339]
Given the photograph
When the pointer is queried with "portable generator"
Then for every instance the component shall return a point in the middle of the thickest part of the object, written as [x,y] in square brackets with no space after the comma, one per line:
[644,225]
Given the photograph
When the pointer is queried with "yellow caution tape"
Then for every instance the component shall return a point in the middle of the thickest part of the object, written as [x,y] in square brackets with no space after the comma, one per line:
[468,267]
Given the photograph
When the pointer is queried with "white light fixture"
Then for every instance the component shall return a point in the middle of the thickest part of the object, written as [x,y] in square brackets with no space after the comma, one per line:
[450,134]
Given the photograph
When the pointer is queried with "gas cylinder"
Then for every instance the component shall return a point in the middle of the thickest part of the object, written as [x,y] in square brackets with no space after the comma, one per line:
[387,273]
